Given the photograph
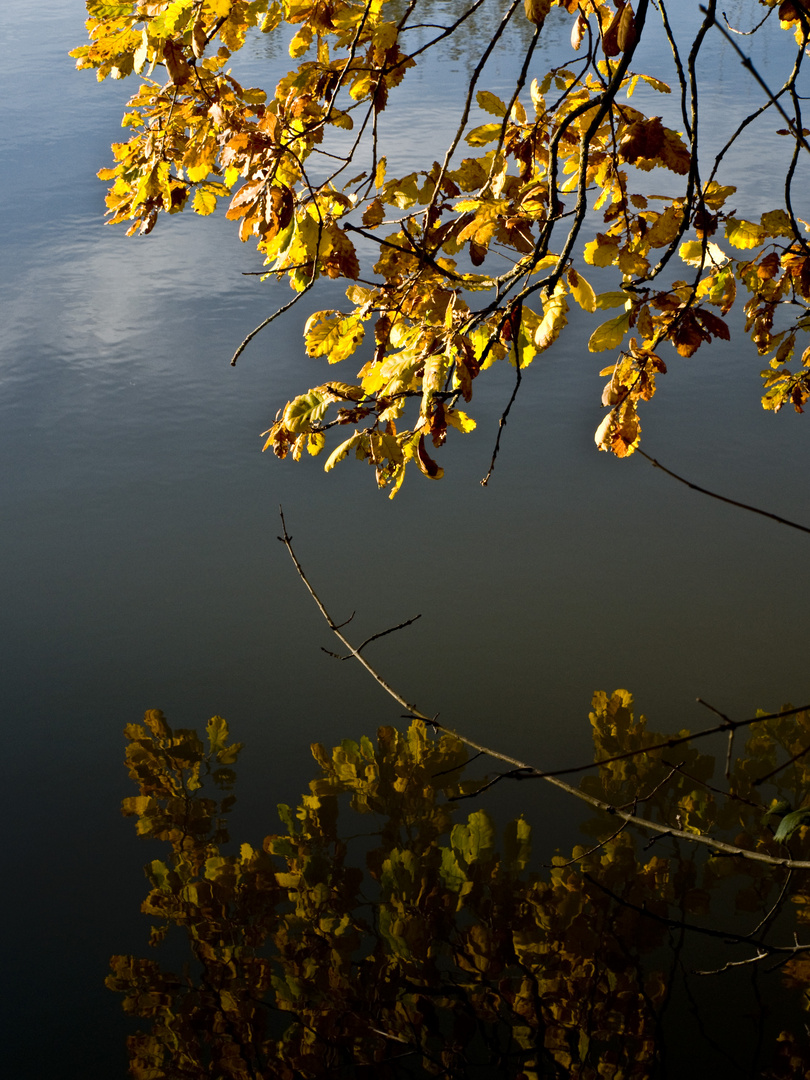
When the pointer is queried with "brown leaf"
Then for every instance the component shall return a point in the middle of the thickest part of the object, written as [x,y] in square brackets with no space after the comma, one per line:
[477,253]
[610,37]
[704,222]
[788,12]
[536,10]
[373,214]
[426,463]
[176,64]
[643,139]
[675,154]
[199,39]
[768,267]
[713,324]
[626,34]
[687,337]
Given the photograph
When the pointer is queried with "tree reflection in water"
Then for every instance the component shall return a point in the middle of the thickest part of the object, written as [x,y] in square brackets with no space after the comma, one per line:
[437,950]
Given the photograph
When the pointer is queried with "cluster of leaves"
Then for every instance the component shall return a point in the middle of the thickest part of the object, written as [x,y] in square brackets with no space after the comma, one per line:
[437,949]
[475,254]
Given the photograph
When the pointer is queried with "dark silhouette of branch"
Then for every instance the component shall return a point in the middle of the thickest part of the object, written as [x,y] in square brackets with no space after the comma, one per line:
[722,498]
[382,633]
[763,948]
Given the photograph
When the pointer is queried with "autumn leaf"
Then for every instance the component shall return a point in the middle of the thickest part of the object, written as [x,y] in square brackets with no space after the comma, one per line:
[610,334]
[744,234]
[471,245]
[329,334]
[537,10]
[581,291]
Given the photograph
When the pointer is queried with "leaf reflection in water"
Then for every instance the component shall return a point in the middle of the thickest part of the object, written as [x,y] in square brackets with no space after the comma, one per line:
[378,934]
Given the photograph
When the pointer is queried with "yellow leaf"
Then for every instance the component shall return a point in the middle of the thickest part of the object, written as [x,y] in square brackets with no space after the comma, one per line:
[610,334]
[205,202]
[691,251]
[777,223]
[341,452]
[744,234]
[141,53]
[489,103]
[554,312]
[328,333]
[656,84]
[315,443]
[715,194]
[601,252]
[483,134]
[301,42]
[581,290]
[537,10]
[403,193]
[459,420]
[385,36]
[272,18]
[303,411]
[611,299]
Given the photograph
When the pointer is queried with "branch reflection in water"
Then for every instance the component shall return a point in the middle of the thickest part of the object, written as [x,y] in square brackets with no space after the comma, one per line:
[383,931]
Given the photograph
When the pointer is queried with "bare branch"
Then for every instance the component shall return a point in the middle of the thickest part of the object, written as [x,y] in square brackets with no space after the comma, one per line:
[722,498]
[523,770]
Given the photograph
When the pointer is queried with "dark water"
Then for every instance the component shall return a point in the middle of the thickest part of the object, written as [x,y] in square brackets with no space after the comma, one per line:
[141,566]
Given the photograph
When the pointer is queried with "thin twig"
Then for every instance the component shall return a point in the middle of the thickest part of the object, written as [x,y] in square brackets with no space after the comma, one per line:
[382,633]
[778,769]
[590,851]
[722,498]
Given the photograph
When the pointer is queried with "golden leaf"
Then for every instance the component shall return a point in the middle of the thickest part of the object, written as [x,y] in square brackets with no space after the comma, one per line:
[581,290]
[555,308]
[610,334]
[342,451]
[490,103]
[329,334]
[744,234]
[199,39]
[205,202]
[301,42]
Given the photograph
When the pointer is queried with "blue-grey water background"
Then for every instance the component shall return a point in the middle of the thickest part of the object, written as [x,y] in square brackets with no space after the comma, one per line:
[140,562]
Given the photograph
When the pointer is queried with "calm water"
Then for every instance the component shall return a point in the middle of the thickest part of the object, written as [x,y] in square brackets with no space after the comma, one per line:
[141,566]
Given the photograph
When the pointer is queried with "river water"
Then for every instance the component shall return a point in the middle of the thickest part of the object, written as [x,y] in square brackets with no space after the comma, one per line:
[142,569]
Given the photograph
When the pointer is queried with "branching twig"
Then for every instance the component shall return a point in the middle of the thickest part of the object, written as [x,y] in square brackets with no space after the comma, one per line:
[526,770]
[382,633]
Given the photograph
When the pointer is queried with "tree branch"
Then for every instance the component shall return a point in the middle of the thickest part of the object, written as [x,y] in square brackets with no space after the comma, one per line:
[722,498]
[524,768]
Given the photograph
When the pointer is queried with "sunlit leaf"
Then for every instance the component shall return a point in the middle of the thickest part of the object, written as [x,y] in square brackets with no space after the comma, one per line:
[610,334]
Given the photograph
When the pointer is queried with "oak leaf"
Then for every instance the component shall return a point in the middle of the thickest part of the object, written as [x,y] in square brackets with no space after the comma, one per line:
[610,334]
[537,10]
